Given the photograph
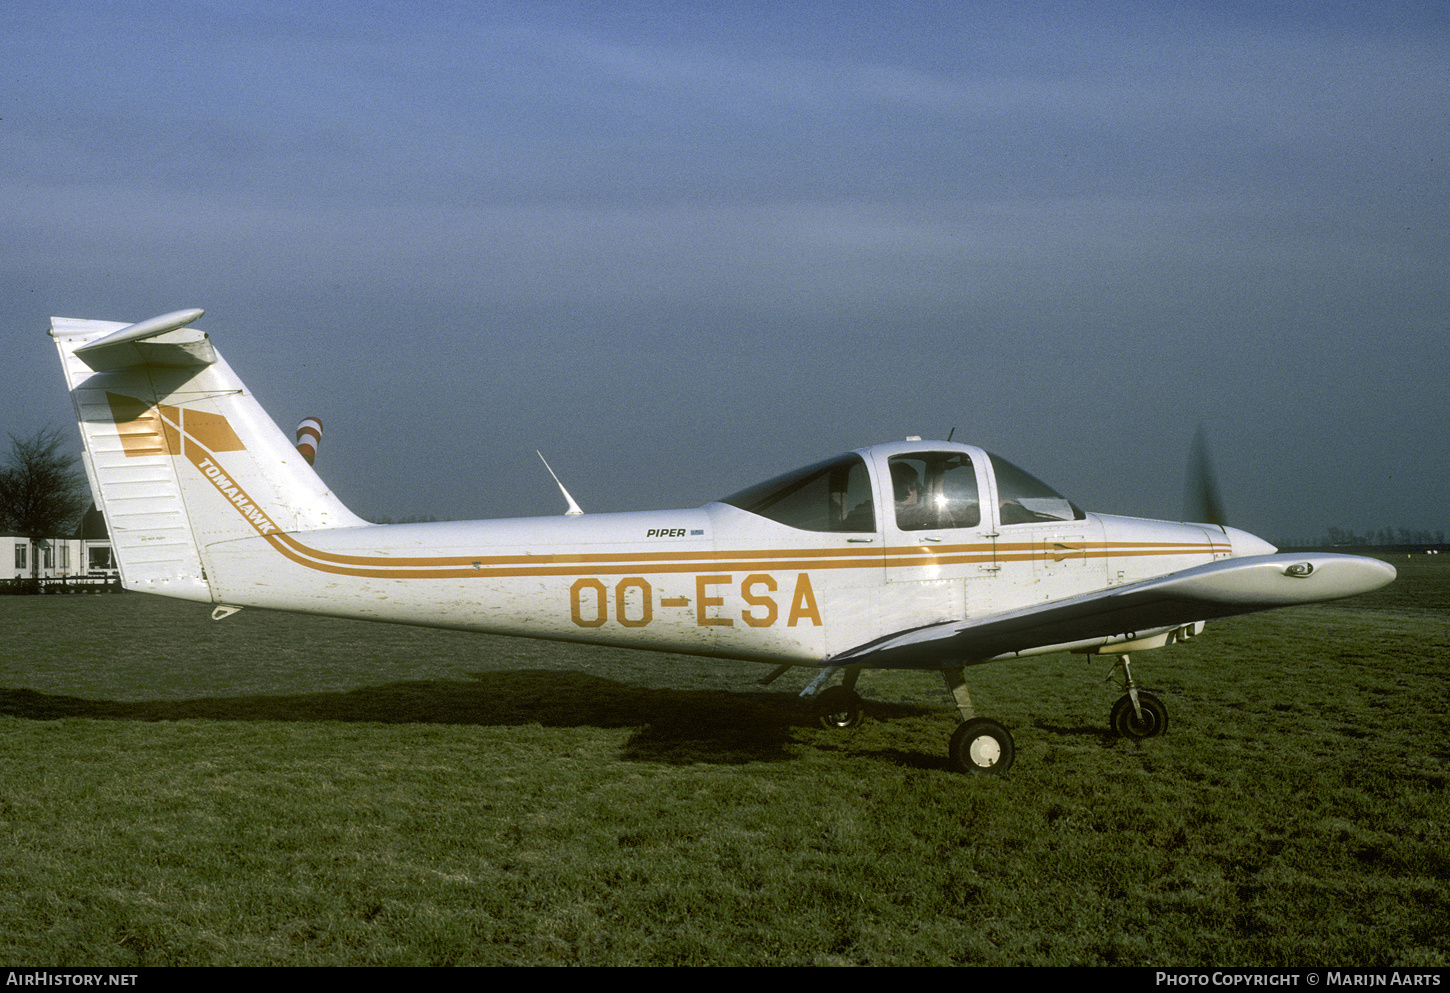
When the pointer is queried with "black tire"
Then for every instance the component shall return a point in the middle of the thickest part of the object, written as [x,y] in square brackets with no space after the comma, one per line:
[838,708]
[981,746]
[1128,725]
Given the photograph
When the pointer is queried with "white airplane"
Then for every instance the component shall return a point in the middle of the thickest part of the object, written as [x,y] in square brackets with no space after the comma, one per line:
[914,555]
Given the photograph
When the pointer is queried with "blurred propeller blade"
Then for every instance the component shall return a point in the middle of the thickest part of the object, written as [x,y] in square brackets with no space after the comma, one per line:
[1201,499]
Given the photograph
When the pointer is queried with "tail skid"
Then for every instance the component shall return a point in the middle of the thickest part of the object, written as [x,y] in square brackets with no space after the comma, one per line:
[179,454]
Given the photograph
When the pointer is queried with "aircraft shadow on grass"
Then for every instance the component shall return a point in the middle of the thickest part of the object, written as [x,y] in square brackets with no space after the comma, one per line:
[674,726]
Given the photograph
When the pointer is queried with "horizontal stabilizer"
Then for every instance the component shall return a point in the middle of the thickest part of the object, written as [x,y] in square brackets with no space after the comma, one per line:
[164,342]
[1219,589]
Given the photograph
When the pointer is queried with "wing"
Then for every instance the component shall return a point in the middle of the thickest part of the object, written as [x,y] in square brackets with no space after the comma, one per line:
[1124,613]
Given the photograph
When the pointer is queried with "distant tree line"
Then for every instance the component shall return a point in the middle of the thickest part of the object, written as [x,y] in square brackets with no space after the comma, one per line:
[1385,536]
[1382,537]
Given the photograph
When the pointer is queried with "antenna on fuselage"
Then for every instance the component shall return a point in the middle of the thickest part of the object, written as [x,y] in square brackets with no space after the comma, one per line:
[574,508]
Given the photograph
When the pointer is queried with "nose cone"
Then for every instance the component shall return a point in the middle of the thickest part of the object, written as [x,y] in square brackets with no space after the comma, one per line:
[1244,543]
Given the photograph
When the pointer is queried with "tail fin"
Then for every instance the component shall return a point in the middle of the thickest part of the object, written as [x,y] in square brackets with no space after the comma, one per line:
[179,454]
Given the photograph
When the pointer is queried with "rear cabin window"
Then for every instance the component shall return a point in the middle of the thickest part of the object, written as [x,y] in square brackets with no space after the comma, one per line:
[1024,499]
[934,490]
[834,495]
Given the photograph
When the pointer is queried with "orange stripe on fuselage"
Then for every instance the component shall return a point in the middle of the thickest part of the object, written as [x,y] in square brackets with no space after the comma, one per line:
[181,434]
[628,563]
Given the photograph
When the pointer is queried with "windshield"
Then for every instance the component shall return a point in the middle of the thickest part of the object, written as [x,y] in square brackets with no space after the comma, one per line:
[834,495]
[1024,499]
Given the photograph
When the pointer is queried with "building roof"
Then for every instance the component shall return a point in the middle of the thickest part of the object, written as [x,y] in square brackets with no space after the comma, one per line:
[92,526]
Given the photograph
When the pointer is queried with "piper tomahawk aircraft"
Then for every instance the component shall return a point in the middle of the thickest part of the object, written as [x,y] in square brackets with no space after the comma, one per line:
[912,555]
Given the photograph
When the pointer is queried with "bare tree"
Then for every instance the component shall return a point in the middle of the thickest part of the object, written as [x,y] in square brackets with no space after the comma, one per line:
[42,494]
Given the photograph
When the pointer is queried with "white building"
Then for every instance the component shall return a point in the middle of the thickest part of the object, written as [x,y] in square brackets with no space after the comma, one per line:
[84,554]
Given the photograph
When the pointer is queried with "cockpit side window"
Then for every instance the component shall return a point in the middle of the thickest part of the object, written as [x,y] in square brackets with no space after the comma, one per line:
[934,490]
[834,495]
[1024,499]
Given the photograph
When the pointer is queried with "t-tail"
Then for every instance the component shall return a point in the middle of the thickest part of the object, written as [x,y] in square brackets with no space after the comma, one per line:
[179,454]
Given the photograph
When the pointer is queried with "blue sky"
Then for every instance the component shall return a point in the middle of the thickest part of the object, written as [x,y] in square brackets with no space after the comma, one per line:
[683,247]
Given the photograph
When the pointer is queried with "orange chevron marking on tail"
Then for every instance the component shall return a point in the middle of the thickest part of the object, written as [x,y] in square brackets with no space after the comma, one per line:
[148,430]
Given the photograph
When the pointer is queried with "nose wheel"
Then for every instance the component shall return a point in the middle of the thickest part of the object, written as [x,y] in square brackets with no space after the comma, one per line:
[1148,719]
[1138,714]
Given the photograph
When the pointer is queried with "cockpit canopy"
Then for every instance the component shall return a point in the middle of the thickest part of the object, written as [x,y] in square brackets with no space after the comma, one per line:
[929,490]
[834,495]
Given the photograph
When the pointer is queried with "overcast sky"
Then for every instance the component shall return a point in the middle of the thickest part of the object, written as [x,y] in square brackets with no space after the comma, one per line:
[682,247]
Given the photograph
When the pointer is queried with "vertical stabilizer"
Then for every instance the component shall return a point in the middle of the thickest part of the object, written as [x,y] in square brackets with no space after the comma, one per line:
[179,454]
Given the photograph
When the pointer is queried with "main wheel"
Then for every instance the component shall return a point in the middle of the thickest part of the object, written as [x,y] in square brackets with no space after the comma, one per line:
[1127,724]
[982,746]
[838,708]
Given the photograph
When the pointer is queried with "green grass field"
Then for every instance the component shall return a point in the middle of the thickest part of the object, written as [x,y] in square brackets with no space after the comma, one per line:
[283,790]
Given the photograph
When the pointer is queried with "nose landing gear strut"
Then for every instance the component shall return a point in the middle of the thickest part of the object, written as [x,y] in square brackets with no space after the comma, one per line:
[1138,714]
